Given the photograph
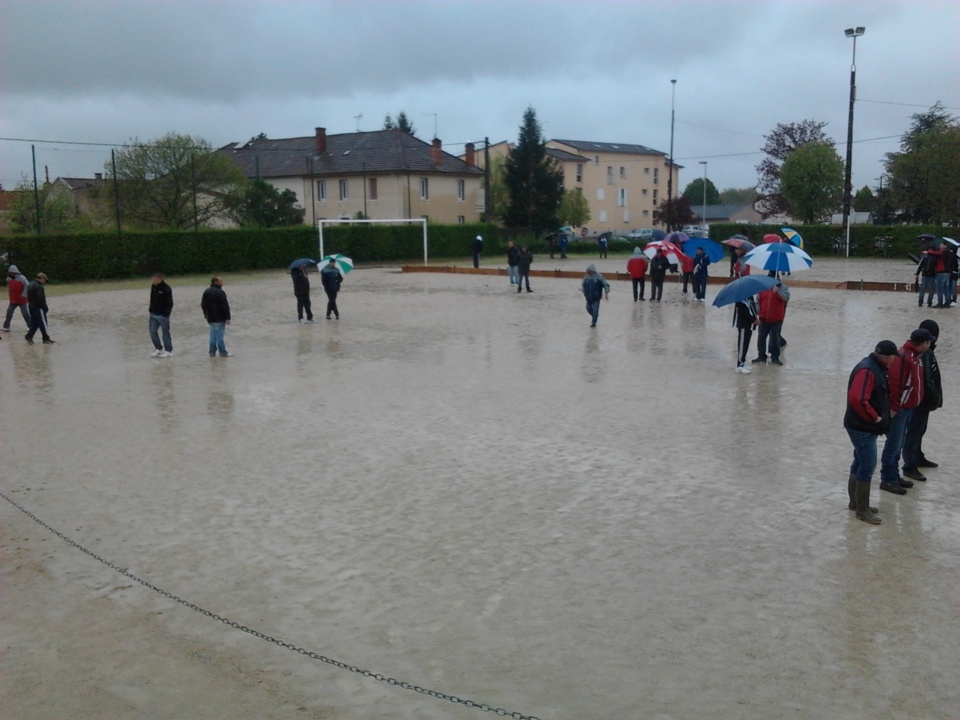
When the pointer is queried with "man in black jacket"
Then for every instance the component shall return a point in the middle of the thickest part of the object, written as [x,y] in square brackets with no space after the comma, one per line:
[867,416]
[658,271]
[216,311]
[913,457]
[37,301]
[524,259]
[161,305]
[301,289]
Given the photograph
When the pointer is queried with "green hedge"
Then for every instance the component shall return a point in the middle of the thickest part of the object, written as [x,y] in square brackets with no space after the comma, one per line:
[101,256]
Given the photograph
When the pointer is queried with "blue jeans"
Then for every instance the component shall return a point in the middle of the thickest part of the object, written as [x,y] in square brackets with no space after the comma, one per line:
[927,287]
[593,307]
[944,293]
[159,322]
[11,309]
[890,458]
[513,273]
[864,454]
[217,331]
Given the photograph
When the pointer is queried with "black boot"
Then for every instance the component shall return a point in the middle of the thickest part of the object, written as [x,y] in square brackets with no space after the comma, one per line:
[851,490]
[864,511]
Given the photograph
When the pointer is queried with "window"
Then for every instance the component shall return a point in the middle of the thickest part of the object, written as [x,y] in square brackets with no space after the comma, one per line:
[609,175]
[646,171]
[579,172]
[596,159]
[603,216]
[646,213]
[623,172]
[644,192]
[626,216]
[622,197]
[321,190]
[461,220]
[344,189]
[599,193]
[373,188]
[461,189]
[654,197]
[424,188]
[656,175]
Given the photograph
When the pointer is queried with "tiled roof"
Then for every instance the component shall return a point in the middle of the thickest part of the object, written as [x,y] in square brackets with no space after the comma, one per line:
[381,151]
[564,155]
[622,148]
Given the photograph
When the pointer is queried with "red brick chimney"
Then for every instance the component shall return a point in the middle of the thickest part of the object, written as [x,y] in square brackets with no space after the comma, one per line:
[471,155]
[437,152]
[321,140]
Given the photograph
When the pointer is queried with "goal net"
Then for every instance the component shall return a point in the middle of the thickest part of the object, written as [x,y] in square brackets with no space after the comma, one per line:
[398,221]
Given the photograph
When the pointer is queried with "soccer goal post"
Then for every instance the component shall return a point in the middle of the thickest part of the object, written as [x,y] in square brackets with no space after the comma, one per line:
[396,221]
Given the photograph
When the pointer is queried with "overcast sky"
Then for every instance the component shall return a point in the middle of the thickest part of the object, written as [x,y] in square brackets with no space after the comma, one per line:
[105,71]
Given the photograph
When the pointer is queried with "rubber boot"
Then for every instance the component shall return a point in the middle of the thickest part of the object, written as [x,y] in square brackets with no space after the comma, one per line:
[864,511]
[851,486]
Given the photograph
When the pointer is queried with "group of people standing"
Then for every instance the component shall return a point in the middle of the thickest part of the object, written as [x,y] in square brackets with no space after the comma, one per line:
[892,392]
[519,260]
[30,298]
[937,272]
[694,273]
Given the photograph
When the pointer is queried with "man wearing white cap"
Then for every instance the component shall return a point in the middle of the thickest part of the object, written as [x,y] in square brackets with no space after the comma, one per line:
[477,249]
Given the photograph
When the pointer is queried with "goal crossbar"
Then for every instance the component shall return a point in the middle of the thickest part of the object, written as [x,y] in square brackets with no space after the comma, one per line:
[396,221]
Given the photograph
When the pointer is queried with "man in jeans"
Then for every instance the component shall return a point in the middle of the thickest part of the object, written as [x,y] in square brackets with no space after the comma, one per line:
[906,393]
[866,417]
[216,311]
[161,305]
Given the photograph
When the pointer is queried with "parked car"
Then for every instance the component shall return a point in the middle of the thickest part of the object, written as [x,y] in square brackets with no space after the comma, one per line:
[695,231]
[640,234]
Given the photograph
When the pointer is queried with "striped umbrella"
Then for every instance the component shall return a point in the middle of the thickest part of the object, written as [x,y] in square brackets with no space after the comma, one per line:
[344,264]
[793,236]
[779,257]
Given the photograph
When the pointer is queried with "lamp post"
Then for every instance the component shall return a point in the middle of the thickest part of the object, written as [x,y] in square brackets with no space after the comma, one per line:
[703,215]
[673,97]
[847,188]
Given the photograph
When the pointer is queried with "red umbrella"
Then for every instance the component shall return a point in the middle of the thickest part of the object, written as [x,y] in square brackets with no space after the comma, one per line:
[672,252]
[739,241]
[772,238]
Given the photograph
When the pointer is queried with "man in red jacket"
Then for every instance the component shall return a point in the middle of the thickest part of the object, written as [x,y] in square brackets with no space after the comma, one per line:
[637,267]
[906,393]
[17,289]
[773,308]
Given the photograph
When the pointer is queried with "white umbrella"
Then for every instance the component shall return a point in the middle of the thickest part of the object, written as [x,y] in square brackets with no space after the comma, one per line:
[779,257]
[344,264]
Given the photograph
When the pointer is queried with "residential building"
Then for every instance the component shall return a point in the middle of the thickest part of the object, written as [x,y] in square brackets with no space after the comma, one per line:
[623,183]
[726,213]
[380,175]
[83,192]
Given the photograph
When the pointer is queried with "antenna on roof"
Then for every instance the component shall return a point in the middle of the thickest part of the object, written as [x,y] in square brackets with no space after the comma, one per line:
[357,118]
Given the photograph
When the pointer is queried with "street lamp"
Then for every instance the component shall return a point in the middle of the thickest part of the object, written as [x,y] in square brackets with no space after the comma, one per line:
[673,97]
[847,188]
[703,215]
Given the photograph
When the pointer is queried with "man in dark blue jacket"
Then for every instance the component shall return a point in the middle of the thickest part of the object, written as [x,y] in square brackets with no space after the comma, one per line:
[216,311]
[331,278]
[867,416]
[161,305]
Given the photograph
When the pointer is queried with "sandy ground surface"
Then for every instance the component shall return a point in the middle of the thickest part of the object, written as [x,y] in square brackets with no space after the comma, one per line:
[469,490]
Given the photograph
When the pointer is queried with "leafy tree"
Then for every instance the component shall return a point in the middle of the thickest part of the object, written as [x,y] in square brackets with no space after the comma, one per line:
[674,213]
[160,184]
[574,208]
[811,181]
[58,212]
[402,123]
[534,179]
[864,201]
[738,196]
[784,139]
[925,174]
[262,205]
[694,191]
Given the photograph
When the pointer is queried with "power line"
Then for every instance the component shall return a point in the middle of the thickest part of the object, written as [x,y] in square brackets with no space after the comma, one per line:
[887,102]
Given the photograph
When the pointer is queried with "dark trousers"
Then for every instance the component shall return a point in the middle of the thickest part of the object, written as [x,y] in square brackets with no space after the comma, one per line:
[639,283]
[699,286]
[332,304]
[476,259]
[303,305]
[38,321]
[687,277]
[913,438]
[524,277]
[743,344]
[11,309]
[768,340]
[656,288]
[892,447]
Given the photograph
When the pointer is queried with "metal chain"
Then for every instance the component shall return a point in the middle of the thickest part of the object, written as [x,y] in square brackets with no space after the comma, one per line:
[243,628]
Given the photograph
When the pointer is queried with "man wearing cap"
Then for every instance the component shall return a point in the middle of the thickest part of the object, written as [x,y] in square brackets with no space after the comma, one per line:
[906,393]
[37,300]
[17,290]
[913,457]
[477,249]
[867,416]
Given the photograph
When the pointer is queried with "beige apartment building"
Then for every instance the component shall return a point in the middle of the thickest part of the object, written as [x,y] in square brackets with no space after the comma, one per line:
[623,183]
[384,174]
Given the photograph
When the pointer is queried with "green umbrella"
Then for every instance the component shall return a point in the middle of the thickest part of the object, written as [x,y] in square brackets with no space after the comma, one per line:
[344,264]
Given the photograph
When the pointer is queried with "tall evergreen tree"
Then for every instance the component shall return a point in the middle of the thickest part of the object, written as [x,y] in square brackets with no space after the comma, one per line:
[534,180]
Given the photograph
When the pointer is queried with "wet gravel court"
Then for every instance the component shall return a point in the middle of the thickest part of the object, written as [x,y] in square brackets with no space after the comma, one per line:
[469,490]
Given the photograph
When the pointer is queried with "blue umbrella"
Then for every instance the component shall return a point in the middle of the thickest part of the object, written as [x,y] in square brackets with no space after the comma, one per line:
[779,257]
[302,261]
[658,235]
[677,238]
[742,288]
[711,248]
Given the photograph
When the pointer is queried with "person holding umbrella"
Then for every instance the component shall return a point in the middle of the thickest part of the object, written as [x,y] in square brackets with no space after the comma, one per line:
[700,264]
[331,278]
[658,271]
[867,416]
[301,289]
[773,308]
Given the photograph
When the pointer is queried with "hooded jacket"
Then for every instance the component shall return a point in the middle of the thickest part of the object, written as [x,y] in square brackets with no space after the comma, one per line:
[932,384]
[637,264]
[773,305]
[594,285]
[16,286]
